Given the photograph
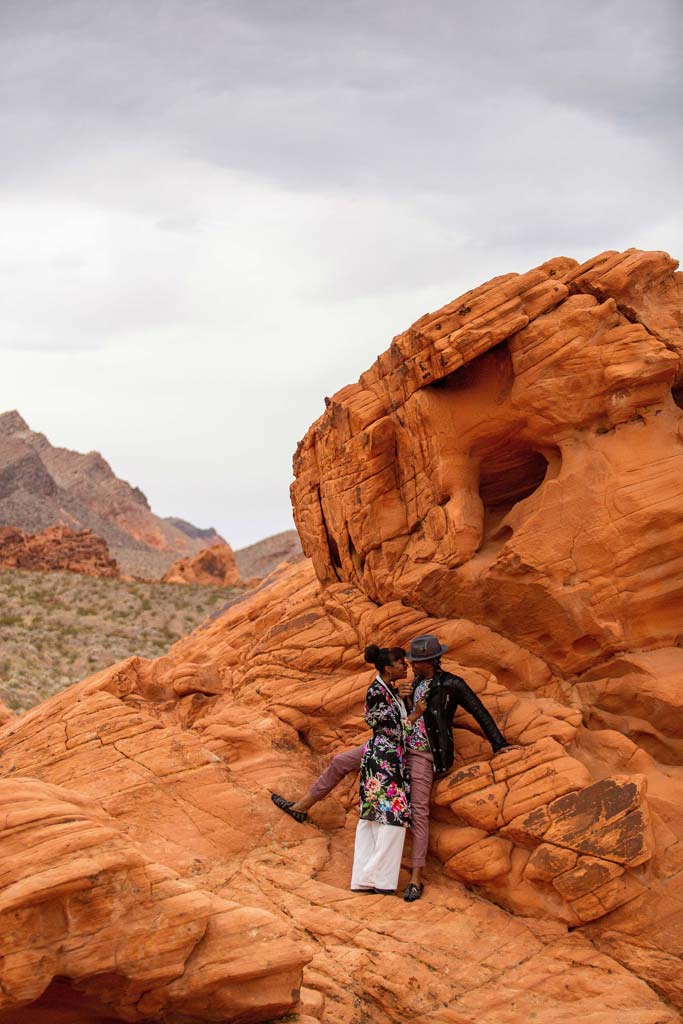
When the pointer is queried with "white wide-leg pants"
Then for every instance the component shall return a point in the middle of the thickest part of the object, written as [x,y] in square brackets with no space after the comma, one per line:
[377,855]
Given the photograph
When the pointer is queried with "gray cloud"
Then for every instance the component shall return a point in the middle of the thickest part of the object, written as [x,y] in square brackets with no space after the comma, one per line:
[187,184]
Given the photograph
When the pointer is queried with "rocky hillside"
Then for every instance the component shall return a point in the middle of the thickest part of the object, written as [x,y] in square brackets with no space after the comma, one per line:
[261,558]
[57,627]
[41,486]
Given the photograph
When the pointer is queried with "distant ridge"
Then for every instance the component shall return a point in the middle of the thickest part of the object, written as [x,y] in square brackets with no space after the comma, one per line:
[262,557]
[43,486]
[207,537]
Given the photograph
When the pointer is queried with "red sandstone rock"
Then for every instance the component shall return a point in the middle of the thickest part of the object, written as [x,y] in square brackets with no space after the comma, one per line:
[148,833]
[215,566]
[56,549]
[5,713]
[527,510]
[491,463]
[90,921]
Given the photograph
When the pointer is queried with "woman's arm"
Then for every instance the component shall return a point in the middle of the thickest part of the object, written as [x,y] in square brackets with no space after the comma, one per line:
[380,711]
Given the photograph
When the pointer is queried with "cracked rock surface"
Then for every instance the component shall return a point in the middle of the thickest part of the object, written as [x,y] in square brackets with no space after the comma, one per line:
[507,476]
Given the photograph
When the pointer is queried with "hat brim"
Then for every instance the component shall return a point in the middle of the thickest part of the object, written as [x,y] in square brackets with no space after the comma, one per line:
[442,650]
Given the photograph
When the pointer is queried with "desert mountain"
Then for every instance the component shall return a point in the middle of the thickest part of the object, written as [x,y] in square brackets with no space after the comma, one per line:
[207,537]
[42,486]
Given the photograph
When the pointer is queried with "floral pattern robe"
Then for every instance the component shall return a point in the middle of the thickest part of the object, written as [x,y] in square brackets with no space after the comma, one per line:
[384,779]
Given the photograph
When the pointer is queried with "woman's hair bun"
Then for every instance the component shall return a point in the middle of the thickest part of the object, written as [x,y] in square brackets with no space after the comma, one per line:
[371,653]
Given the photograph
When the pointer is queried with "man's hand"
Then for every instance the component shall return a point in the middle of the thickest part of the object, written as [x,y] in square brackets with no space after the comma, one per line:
[405,688]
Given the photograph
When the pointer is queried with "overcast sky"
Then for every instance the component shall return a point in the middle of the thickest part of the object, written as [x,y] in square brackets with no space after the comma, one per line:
[214,213]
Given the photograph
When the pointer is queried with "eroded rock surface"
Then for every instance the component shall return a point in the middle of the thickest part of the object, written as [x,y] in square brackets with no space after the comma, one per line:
[516,459]
[214,566]
[507,476]
[89,921]
[57,549]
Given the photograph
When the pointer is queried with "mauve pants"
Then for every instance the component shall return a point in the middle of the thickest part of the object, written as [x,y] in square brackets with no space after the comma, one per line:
[341,765]
[421,777]
[421,768]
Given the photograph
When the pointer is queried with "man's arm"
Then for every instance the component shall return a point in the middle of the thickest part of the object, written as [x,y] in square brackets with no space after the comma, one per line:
[468,699]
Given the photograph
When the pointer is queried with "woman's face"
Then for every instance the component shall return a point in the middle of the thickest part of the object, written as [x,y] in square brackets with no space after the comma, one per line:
[398,669]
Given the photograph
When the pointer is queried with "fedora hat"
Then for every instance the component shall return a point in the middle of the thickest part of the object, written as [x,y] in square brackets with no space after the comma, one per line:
[424,648]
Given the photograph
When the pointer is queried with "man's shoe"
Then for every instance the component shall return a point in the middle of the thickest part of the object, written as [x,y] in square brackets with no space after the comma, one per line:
[412,892]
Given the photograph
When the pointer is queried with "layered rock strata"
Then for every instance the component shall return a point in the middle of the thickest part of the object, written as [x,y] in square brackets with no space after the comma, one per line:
[57,549]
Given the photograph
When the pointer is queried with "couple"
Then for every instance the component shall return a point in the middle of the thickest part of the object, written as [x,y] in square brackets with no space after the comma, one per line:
[412,741]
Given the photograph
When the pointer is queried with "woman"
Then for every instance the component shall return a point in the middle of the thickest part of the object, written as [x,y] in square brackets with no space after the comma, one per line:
[384,783]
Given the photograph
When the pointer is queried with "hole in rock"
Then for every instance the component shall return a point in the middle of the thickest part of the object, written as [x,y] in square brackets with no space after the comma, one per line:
[509,472]
[586,644]
[677,395]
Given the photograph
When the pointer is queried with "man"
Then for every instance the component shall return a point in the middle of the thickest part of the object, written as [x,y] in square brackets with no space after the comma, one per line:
[429,746]
[430,742]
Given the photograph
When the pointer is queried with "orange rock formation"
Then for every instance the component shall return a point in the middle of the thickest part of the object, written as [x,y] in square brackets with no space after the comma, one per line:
[5,713]
[507,476]
[215,566]
[57,548]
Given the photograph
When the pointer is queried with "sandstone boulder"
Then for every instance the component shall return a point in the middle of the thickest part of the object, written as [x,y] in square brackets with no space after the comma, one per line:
[214,566]
[90,923]
[499,462]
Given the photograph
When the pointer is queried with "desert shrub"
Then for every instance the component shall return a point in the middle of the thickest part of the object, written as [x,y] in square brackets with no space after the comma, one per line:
[11,620]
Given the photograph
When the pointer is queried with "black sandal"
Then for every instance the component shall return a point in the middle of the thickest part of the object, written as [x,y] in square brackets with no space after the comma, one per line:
[385,892]
[286,806]
[365,892]
[412,892]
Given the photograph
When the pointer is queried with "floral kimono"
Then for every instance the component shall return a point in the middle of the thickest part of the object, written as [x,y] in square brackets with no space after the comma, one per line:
[384,780]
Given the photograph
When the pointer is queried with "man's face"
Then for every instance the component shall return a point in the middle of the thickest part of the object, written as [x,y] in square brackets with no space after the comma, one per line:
[424,669]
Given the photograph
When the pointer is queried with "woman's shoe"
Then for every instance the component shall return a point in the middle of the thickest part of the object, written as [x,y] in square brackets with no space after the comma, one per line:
[286,806]
[368,892]
[385,892]
[412,892]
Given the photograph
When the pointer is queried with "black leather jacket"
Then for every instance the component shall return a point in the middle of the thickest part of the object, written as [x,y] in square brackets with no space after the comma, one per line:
[446,693]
